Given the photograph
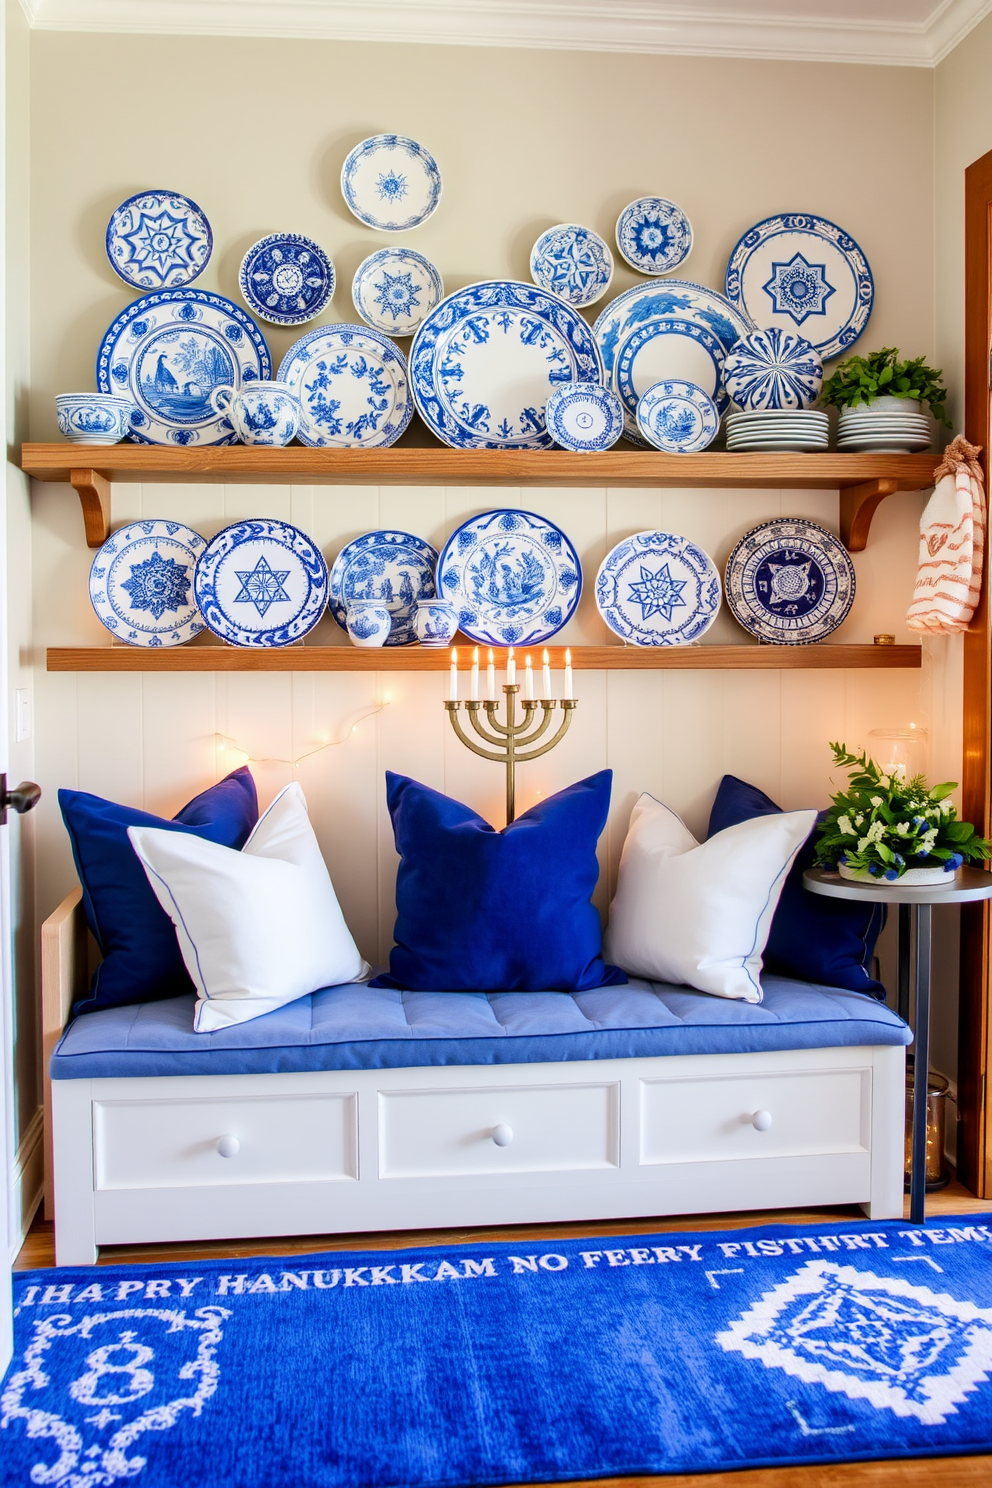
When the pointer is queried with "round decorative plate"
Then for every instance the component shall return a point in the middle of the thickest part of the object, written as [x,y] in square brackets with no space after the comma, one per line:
[395,568]
[485,361]
[654,235]
[790,581]
[803,273]
[352,385]
[395,289]
[773,369]
[658,589]
[167,352]
[677,417]
[158,240]
[261,583]
[286,278]
[141,583]
[572,262]
[391,182]
[514,577]
[584,417]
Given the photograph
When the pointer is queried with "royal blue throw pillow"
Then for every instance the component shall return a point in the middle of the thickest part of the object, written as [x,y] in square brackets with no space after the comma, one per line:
[485,911]
[829,941]
[141,957]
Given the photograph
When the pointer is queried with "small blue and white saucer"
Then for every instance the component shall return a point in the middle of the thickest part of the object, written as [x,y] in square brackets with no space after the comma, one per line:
[141,583]
[395,289]
[658,589]
[261,583]
[573,263]
[584,417]
[790,581]
[158,240]
[654,235]
[677,417]
[391,182]
[286,278]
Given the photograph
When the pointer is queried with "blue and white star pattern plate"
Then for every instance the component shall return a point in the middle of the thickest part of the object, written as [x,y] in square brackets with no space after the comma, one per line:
[485,362]
[773,369]
[286,278]
[352,385]
[391,182]
[658,589]
[654,235]
[141,583]
[677,417]
[167,352]
[395,289]
[158,240]
[513,576]
[395,568]
[572,262]
[803,274]
[790,581]
[261,583]
[584,417]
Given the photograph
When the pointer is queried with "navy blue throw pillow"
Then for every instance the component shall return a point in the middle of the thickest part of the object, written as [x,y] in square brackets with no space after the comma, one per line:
[829,941]
[485,911]
[141,957]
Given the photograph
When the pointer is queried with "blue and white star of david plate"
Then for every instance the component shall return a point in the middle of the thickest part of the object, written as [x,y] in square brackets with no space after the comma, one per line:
[773,369]
[484,363]
[658,589]
[167,352]
[395,289]
[158,240]
[584,417]
[677,417]
[286,278]
[391,182]
[654,235]
[790,581]
[573,263]
[515,578]
[395,568]
[803,273]
[141,583]
[353,387]
[261,583]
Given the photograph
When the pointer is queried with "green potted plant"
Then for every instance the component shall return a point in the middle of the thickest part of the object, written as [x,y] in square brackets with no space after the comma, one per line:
[881,401]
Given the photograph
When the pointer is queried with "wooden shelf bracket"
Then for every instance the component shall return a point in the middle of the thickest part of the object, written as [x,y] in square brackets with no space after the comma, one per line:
[857,507]
[93,491]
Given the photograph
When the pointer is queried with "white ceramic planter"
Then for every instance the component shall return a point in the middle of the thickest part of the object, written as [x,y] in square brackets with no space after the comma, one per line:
[913,878]
[885,406]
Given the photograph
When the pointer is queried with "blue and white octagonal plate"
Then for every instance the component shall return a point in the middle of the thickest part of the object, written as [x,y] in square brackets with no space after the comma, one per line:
[584,417]
[654,235]
[391,182]
[158,240]
[286,278]
[677,417]
[773,369]
[658,589]
[353,387]
[395,289]
[261,583]
[515,578]
[790,581]
[805,274]
[573,262]
[141,583]
[395,568]
[167,352]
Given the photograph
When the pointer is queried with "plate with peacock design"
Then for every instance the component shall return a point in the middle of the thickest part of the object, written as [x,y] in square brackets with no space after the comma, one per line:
[141,584]
[658,589]
[514,577]
[396,568]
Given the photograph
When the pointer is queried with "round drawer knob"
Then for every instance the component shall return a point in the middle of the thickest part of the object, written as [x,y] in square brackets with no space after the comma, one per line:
[761,1120]
[228,1145]
[502,1134]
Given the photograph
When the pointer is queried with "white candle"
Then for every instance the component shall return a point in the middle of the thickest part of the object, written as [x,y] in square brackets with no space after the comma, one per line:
[453,685]
[528,680]
[568,674]
[546,678]
[474,693]
[491,677]
[511,669]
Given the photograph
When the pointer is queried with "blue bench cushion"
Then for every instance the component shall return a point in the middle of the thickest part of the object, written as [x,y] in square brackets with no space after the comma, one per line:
[358,1027]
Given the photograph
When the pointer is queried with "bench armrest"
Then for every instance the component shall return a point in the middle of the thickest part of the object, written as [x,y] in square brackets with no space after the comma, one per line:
[63,979]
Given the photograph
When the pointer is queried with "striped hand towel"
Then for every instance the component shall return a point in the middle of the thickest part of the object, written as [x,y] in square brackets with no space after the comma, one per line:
[952,545]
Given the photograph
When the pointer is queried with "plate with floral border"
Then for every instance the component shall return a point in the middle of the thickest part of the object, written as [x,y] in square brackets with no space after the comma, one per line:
[584,417]
[141,583]
[572,262]
[391,182]
[261,583]
[677,417]
[514,577]
[396,568]
[352,385]
[395,289]
[654,235]
[790,581]
[658,589]
[286,278]
[158,240]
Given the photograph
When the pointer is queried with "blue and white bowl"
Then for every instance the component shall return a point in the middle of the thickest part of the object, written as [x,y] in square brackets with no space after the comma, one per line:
[584,417]
[286,278]
[654,235]
[773,368]
[94,418]
[436,622]
[369,622]
[677,417]
[572,262]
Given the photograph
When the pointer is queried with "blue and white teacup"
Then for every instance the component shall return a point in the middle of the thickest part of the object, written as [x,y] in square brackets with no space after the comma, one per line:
[261,412]
[94,418]
[369,622]
[436,622]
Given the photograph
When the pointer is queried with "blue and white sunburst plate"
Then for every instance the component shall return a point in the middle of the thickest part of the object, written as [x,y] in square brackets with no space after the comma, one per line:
[158,240]
[396,289]
[572,262]
[514,577]
[584,417]
[286,278]
[141,584]
[677,417]
[396,568]
[790,581]
[773,369]
[391,182]
[658,589]
[261,583]
[654,235]
[353,387]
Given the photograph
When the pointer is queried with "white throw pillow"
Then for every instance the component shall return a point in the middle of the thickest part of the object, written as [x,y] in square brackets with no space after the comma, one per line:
[699,913]
[257,928]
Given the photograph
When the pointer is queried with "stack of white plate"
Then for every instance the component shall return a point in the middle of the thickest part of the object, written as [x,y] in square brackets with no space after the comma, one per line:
[777,429]
[883,431]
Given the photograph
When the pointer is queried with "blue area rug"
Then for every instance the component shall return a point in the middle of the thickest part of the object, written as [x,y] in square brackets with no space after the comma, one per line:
[506,1363]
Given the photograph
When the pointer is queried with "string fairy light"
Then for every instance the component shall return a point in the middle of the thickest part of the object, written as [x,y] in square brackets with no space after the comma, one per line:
[225,742]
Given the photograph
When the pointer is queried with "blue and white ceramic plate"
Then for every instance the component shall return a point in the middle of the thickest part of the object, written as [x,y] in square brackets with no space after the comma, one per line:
[141,583]
[167,352]
[654,235]
[803,273]
[286,278]
[513,576]
[584,417]
[790,581]
[658,589]
[352,385]
[395,289]
[485,362]
[158,240]
[677,417]
[261,583]
[773,369]
[395,568]
[391,182]
[572,262]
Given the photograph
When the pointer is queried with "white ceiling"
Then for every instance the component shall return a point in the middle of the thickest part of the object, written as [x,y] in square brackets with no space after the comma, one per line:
[907,33]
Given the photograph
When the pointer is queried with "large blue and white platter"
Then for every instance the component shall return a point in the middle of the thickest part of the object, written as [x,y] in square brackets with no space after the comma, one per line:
[572,262]
[286,278]
[395,289]
[353,387]
[790,581]
[658,589]
[484,363]
[141,583]
[584,417]
[396,568]
[773,369]
[158,240]
[654,235]
[391,182]
[677,417]
[261,583]
[803,273]
[514,577]
[168,351]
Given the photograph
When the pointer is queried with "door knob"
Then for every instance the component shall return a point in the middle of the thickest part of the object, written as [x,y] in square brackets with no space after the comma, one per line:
[502,1134]
[23,797]
[228,1145]
[761,1120]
